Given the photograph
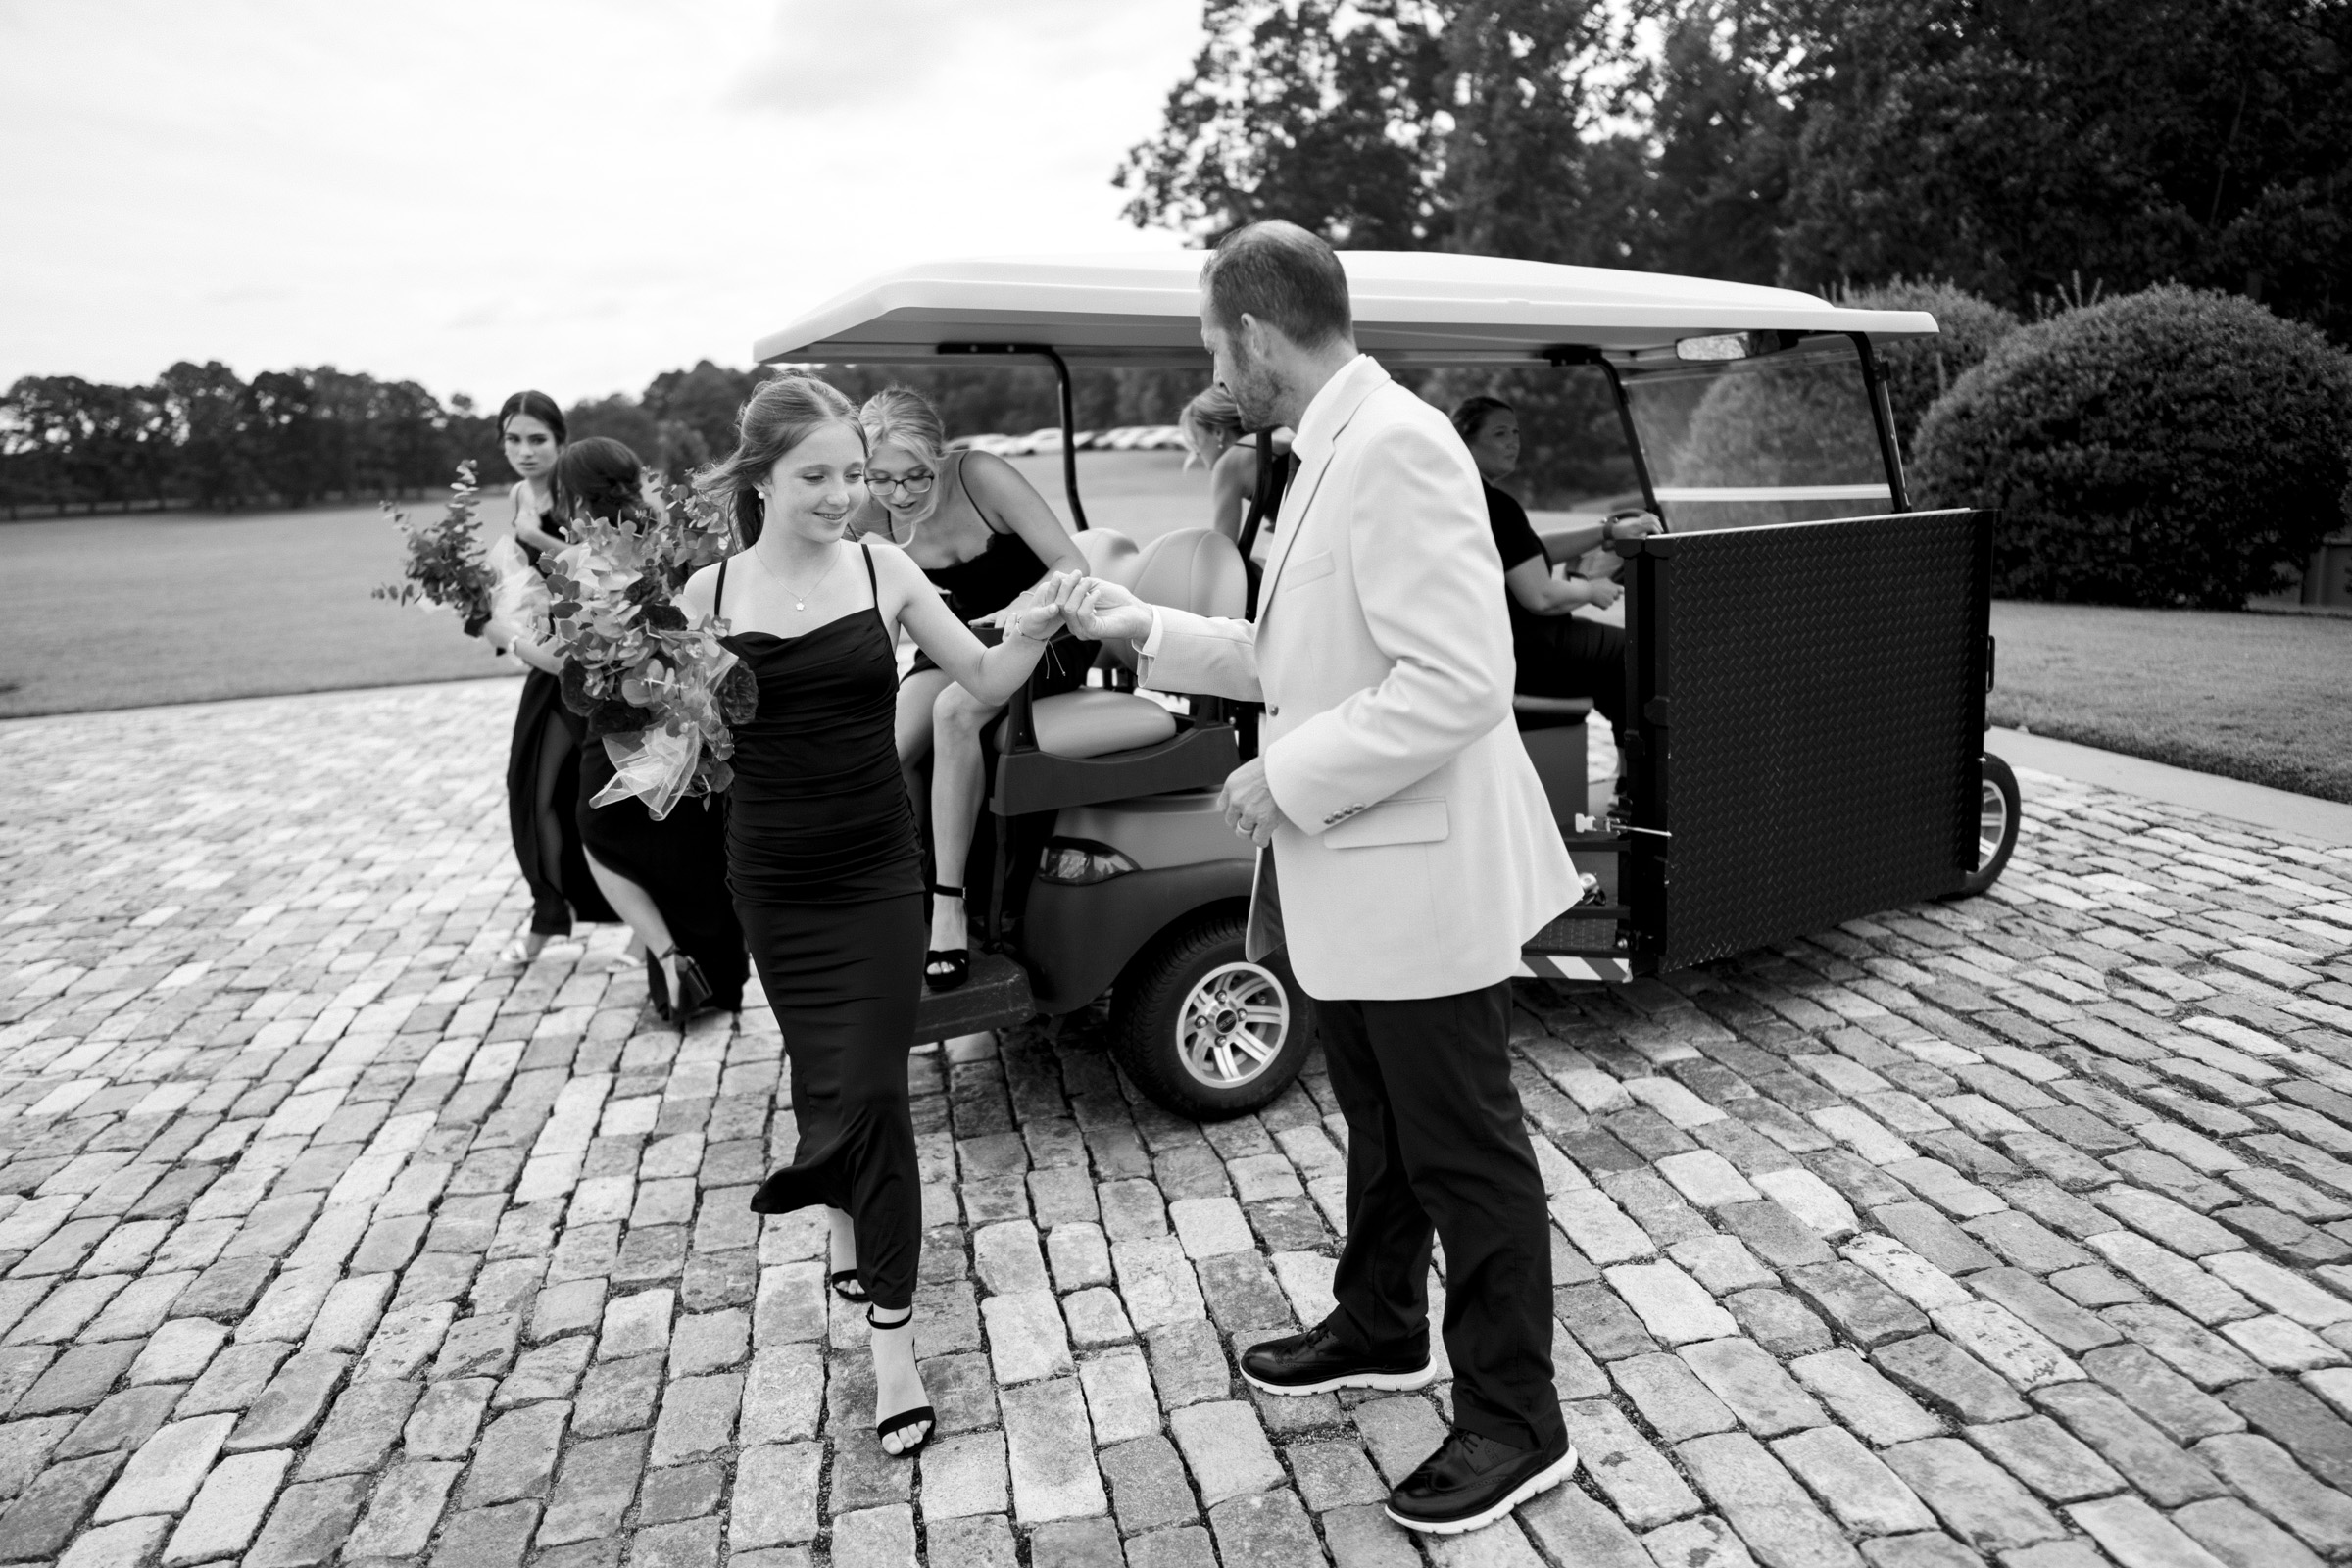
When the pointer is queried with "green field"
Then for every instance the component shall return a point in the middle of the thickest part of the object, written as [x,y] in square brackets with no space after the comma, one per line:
[125,612]
[186,606]
[2265,698]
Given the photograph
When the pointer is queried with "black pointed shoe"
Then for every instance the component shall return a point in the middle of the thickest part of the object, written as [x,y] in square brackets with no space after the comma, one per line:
[1318,1361]
[1472,1481]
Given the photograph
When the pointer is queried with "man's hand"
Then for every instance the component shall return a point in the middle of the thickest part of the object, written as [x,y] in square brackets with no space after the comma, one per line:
[1247,802]
[1603,592]
[1099,610]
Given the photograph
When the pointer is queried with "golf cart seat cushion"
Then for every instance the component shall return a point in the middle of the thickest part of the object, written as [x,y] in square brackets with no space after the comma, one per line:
[1095,722]
[1549,712]
[1192,568]
[1109,554]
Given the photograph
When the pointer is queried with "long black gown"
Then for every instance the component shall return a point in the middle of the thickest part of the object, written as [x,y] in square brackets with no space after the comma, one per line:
[565,889]
[682,861]
[827,877]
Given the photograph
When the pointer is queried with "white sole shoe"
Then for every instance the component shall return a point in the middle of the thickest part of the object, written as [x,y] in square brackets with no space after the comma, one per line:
[1533,1486]
[1385,1382]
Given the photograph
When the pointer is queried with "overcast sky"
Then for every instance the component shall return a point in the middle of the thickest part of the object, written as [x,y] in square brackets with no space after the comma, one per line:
[488,194]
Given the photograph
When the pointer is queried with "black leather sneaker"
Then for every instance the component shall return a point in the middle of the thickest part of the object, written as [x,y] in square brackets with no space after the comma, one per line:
[1318,1361]
[1473,1480]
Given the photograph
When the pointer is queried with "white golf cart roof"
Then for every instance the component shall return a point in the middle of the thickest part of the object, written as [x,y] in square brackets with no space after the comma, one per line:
[1421,308]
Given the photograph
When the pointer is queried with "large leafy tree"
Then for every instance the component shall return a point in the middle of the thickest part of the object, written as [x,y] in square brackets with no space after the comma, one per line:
[1324,112]
[2019,146]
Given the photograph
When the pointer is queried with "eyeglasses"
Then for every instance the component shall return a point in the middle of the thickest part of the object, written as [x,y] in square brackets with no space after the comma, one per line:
[914,485]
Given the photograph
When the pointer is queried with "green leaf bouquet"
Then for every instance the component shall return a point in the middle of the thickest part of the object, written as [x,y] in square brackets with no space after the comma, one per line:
[662,695]
[442,561]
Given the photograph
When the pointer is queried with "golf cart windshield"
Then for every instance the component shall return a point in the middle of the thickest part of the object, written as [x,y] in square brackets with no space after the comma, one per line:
[1748,438]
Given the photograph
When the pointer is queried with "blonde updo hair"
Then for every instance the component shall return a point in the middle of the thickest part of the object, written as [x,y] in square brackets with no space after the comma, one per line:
[901,417]
[780,416]
[1211,422]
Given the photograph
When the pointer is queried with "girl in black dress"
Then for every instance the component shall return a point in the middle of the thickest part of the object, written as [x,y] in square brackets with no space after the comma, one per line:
[667,878]
[821,851]
[983,537]
[543,756]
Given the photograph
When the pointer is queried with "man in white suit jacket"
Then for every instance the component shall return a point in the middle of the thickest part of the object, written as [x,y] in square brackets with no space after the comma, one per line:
[1412,851]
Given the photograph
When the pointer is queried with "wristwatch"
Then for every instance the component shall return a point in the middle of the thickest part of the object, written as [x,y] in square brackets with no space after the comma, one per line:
[1608,530]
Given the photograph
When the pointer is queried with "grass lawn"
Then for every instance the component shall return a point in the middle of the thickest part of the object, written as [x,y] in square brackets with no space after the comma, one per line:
[182,607]
[123,611]
[2265,698]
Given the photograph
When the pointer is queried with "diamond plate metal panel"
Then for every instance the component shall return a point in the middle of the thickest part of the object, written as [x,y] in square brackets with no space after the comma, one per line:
[1813,702]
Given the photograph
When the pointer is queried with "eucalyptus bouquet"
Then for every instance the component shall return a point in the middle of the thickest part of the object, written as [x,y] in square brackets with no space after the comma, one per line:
[662,695]
[442,561]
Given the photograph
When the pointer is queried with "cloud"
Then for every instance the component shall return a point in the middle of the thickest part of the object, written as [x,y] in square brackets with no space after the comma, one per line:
[569,194]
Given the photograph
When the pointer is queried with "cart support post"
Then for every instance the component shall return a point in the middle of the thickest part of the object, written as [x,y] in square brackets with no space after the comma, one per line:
[1568,355]
[1882,415]
[1069,415]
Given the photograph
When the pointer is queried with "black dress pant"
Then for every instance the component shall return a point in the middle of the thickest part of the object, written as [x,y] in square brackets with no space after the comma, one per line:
[1568,655]
[1437,1143]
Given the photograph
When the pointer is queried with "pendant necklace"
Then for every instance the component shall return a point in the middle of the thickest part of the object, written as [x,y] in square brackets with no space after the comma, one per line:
[799,600]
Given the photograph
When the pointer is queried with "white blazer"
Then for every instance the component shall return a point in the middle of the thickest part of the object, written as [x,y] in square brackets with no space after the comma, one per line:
[1417,850]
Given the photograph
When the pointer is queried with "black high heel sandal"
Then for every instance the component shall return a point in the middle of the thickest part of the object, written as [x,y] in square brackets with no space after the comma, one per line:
[693,992]
[845,1285]
[945,968]
[905,1418]
[656,986]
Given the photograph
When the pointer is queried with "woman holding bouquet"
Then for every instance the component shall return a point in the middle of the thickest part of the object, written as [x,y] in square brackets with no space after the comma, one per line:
[821,850]
[667,877]
[984,537]
[543,758]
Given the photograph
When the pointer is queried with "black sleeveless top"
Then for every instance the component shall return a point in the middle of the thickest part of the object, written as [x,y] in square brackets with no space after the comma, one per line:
[992,578]
[819,813]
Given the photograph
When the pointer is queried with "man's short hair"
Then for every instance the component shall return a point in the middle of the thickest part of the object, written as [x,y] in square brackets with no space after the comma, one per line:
[1283,275]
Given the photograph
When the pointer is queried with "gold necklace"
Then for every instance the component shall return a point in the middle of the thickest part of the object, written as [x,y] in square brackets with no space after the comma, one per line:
[800,600]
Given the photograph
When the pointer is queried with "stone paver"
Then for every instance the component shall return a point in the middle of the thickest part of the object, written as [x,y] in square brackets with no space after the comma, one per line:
[2014,1229]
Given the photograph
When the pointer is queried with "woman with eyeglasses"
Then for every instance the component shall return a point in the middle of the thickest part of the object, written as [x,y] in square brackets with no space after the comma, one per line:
[984,537]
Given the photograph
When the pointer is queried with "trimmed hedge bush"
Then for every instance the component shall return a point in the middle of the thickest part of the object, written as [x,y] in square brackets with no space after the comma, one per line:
[1919,370]
[2175,447]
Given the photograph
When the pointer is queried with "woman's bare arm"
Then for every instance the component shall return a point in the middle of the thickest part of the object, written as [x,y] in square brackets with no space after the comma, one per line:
[993,674]
[1231,485]
[1538,592]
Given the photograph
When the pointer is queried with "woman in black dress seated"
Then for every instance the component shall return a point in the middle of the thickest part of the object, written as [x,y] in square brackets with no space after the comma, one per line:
[543,756]
[821,850]
[1559,653]
[667,878]
[984,537]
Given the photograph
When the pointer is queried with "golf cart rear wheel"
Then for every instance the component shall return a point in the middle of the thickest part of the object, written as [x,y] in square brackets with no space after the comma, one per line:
[1204,1031]
[1996,825]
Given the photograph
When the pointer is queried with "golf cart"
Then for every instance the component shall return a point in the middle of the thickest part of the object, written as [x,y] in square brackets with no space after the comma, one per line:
[1806,658]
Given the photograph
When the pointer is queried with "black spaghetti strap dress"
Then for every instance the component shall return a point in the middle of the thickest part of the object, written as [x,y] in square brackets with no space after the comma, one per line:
[827,878]
[565,889]
[682,861]
[995,578]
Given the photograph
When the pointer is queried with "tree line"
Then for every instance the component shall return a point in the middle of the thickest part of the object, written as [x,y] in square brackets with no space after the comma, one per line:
[2016,148]
[201,436]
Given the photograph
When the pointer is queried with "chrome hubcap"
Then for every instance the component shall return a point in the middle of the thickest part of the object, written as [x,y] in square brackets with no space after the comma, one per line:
[1993,823]
[1233,1025]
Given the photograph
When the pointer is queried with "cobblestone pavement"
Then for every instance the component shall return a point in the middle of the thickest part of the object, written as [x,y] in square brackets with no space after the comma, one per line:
[2015,1231]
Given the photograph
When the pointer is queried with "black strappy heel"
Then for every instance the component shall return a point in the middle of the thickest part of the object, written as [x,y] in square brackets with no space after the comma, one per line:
[656,986]
[945,968]
[693,992]
[905,1418]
